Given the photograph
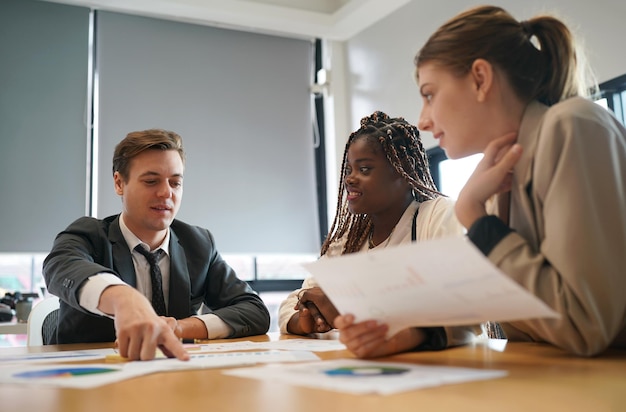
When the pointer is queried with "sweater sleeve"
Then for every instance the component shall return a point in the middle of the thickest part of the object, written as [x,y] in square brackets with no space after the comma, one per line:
[286,309]
[487,232]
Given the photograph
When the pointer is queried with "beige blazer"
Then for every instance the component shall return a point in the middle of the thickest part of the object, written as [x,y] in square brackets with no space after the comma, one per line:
[568,209]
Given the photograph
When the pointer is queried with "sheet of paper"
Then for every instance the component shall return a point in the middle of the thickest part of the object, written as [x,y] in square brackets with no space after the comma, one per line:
[440,282]
[218,360]
[361,377]
[84,376]
[60,356]
[314,345]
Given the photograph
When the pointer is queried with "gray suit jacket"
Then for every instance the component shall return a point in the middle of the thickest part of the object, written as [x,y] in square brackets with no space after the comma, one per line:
[568,209]
[198,274]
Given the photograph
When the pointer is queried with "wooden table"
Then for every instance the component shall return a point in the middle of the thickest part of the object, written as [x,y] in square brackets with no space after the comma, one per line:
[541,378]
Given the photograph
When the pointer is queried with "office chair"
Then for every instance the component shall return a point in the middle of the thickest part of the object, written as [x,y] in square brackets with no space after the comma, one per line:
[42,321]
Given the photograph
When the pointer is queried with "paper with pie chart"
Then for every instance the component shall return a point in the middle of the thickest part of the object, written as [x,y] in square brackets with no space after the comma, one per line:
[362,376]
[65,375]
[84,376]
[441,282]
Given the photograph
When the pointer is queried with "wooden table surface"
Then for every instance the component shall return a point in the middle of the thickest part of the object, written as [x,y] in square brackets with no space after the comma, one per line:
[540,378]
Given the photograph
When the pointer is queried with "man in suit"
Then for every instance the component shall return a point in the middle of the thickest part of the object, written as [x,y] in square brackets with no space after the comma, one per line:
[140,277]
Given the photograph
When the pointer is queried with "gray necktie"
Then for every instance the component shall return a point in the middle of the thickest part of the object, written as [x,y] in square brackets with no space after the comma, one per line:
[158,302]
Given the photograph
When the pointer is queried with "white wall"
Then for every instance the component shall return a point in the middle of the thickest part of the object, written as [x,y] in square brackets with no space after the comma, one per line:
[379,61]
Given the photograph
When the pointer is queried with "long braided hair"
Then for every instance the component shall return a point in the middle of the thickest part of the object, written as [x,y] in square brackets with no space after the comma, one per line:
[403,148]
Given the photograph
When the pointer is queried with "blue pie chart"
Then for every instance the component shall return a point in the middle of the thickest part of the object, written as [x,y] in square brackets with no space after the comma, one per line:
[63,372]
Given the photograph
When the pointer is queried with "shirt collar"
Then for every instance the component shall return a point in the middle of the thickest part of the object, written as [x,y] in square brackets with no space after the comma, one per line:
[132,240]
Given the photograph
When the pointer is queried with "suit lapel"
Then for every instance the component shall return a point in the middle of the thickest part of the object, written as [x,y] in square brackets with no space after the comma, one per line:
[522,214]
[513,213]
[180,288]
[527,137]
[122,259]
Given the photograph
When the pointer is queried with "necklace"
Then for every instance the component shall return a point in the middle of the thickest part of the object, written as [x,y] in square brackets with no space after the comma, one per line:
[370,241]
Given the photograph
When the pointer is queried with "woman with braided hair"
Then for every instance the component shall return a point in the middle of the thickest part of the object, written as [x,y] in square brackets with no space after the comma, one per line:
[387,197]
[554,163]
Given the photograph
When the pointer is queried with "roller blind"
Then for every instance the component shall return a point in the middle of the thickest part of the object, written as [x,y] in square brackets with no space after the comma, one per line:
[242,105]
[43,133]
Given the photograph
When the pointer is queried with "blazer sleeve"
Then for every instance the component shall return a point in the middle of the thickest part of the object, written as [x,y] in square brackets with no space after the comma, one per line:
[77,253]
[577,197]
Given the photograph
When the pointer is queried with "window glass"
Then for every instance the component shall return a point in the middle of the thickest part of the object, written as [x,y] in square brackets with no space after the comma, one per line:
[613,94]
[603,102]
[243,265]
[620,108]
[21,272]
[272,267]
[453,174]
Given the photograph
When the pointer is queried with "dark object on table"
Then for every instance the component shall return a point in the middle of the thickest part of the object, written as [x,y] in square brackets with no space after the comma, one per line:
[10,299]
[6,313]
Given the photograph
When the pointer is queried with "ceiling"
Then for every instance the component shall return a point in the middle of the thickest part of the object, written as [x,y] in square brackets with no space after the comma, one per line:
[326,19]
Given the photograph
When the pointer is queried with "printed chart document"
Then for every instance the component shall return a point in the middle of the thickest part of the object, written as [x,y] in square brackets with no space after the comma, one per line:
[441,282]
[84,376]
[361,376]
[312,345]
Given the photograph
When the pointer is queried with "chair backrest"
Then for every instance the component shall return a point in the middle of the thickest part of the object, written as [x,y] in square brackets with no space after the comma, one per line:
[43,318]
